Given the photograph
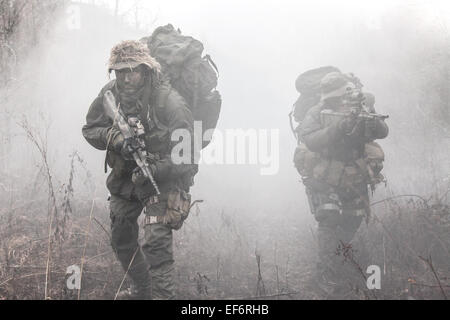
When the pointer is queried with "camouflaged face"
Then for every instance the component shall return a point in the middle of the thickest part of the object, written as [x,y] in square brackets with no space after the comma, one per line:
[130,54]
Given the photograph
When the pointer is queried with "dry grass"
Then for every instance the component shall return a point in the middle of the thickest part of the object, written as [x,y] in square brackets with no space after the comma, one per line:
[46,226]
[220,256]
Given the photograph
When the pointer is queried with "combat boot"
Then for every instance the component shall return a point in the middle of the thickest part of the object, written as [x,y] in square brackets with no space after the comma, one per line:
[321,282]
[137,272]
[135,292]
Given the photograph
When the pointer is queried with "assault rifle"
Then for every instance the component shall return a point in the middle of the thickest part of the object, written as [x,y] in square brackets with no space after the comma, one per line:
[133,132]
[354,113]
[359,114]
[358,110]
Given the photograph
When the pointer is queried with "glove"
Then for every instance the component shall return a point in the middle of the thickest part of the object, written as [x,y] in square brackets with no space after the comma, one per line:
[117,143]
[115,139]
[370,128]
[138,177]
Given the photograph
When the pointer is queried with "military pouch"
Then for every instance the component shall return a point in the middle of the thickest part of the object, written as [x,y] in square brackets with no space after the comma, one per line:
[374,157]
[305,160]
[335,171]
[353,177]
[328,171]
[178,207]
[321,169]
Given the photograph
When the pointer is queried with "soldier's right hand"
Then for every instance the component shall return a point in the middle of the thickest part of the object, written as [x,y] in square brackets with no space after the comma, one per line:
[115,140]
[138,177]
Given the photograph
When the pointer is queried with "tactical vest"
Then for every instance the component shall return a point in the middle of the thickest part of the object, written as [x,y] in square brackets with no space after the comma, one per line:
[343,165]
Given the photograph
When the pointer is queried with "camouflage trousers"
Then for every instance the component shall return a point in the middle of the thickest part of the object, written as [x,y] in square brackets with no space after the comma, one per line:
[338,222]
[150,265]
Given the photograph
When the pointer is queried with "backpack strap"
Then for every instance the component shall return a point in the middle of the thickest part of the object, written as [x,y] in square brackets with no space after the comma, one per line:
[195,93]
[291,123]
[210,60]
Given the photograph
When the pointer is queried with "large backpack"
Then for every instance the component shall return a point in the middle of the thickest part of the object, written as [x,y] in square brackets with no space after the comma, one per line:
[311,164]
[308,85]
[193,75]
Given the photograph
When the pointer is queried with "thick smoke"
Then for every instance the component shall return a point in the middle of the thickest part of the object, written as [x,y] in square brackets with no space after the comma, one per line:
[400,51]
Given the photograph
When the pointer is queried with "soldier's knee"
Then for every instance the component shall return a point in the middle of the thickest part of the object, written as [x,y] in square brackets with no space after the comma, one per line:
[124,227]
[326,207]
[327,214]
[352,219]
[124,233]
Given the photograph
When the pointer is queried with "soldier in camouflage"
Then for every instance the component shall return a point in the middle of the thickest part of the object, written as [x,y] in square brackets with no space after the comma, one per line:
[336,177]
[141,91]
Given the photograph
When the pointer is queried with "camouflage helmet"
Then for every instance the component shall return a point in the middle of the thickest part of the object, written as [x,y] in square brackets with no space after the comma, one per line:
[130,54]
[355,80]
[335,84]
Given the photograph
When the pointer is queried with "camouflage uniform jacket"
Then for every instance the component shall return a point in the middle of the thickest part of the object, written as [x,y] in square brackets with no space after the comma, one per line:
[166,111]
[341,165]
[330,141]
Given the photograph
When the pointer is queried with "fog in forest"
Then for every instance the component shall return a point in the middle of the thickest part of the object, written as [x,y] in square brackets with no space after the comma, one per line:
[399,49]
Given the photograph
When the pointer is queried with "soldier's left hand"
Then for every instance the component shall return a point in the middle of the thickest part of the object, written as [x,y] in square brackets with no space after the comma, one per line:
[138,177]
[370,128]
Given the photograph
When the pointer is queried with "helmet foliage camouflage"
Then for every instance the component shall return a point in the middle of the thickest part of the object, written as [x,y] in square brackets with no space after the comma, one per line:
[130,54]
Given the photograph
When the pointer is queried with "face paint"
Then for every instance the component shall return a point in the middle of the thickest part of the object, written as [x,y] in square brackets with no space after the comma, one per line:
[129,81]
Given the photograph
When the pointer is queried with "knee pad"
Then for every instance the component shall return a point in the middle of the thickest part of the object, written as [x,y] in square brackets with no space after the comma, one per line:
[328,207]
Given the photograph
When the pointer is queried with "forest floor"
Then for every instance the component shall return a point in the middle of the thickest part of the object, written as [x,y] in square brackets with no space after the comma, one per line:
[223,255]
